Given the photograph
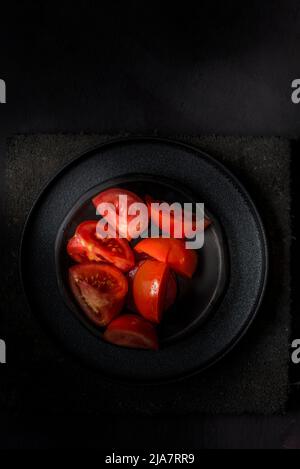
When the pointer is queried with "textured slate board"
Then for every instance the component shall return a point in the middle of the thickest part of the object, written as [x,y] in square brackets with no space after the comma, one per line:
[254,378]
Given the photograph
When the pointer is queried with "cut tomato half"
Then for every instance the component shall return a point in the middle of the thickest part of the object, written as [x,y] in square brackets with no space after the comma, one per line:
[170,293]
[87,246]
[123,219]
[76,250]
[80,252]
[166,220]
[99,289]
[150,285]
[130,330]
[172,252]
[118,252]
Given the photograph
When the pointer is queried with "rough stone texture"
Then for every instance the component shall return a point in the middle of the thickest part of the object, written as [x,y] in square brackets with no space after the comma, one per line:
[42,378]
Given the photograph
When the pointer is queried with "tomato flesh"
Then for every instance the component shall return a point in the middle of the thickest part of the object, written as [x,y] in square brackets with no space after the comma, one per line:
[168,220]
[117,251]
[99,289]
[172,252]
[132,331]
[87,246]
[112,196]
[82,247]
[76,250]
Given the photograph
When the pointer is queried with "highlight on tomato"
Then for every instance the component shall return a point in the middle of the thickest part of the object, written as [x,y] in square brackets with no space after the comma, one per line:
[126,214]
[172,252]
[154,289]
[145,298]
[130,330]
[99,289]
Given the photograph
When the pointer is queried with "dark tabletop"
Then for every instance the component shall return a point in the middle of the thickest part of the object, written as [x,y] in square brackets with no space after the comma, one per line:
[219,68]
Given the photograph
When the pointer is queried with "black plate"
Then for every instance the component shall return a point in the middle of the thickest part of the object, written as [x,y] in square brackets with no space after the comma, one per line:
[209,182]
[196,298]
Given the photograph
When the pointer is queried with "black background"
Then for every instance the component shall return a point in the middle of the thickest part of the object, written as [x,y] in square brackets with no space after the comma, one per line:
[186,68]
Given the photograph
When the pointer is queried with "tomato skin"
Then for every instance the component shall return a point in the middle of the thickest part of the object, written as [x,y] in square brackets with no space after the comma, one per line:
[132,331]
[172,252]
[157,216]
[149,289]
[99,289]
[155,248]
[112,196]
[170,294]
[182,260]
[114,250]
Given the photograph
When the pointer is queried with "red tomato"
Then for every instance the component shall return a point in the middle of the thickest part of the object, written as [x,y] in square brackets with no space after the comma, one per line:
[132,331]
[162,219]
[76,250]
[172,252]
[80,253]
[114,250]
[99,289]
[150,285]
[112,196]
[170,294]
[130,276]
[118,252]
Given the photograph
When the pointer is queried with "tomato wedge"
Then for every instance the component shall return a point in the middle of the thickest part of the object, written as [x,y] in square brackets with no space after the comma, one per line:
[170,294]
[132,331]
[150,285]
[167,220]
[99,289]
[122,217]
[130,277]
[87,246]
[172,252]
[80,252]
[118,252]
[76,250]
